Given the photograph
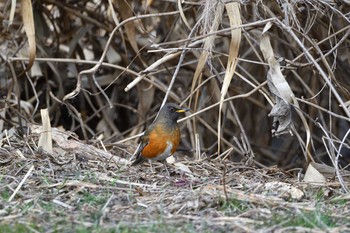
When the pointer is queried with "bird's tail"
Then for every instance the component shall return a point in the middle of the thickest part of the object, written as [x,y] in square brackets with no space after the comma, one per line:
[139,159]
[137,155]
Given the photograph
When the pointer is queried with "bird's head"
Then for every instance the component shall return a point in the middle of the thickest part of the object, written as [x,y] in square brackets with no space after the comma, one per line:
[170,112]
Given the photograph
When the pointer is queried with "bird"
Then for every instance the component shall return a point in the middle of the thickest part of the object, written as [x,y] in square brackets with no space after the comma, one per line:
[161,138]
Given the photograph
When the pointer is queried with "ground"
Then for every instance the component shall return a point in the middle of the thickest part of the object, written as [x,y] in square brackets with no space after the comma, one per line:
[80,188]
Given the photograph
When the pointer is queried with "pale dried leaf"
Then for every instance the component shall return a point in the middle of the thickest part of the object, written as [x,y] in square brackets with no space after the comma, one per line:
[201,63]
[170,160]
[313,176]
[212,18]
[24,105]
[36,70]
[182,14]
[279,88]
[183,167]
[112,55]
[283,190]
[12,12]
[329,171]
[279,82]
[103,126]
[149,3]
[28,22]
[283,94]
[111,12]
[234,13]
[45,140]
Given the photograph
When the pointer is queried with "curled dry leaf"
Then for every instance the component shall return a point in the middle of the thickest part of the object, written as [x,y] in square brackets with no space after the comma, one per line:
[283,94]
[279,88]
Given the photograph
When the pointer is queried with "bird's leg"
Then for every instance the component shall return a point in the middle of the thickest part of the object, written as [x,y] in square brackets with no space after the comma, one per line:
[150,163]
[164,163]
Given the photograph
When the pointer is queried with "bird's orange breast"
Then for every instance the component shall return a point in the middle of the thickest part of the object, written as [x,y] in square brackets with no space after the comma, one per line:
[159,139]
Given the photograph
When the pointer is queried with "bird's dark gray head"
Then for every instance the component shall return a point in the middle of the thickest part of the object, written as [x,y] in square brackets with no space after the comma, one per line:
[170,113]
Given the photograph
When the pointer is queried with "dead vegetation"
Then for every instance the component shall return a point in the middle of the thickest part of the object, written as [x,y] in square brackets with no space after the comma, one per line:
[267,83]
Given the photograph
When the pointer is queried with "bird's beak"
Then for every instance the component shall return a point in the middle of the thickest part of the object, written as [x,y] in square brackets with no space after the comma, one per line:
[183,110]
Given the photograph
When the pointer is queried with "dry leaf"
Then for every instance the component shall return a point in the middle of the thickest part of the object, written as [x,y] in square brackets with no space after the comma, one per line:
[329,171]
[282,190]
[184,168]
[126,12]
[62,139]
[212,17]
[28,21]
[182,14]
[112,55]
[234,14]
[36,70]
[146,96]
[313,176]
[233,11]
[12,12]
[279,88]
[283,94]
[149,3]
[45,140]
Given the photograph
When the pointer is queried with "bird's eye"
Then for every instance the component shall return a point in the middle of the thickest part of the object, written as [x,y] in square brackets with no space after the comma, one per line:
[172,109]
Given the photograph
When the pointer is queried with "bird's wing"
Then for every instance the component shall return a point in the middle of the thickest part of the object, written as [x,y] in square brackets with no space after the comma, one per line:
[137,155]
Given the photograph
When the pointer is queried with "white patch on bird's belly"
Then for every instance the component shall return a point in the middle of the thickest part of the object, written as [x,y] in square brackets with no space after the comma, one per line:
[166,153]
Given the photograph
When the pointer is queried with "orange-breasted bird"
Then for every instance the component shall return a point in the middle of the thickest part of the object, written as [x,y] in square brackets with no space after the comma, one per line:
[161,138]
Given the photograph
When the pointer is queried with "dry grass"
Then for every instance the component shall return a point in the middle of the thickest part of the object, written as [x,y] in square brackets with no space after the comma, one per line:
[81,192]
[103,69]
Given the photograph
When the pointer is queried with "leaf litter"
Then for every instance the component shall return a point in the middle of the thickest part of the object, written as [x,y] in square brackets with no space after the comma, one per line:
[135,50]
[88,188]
